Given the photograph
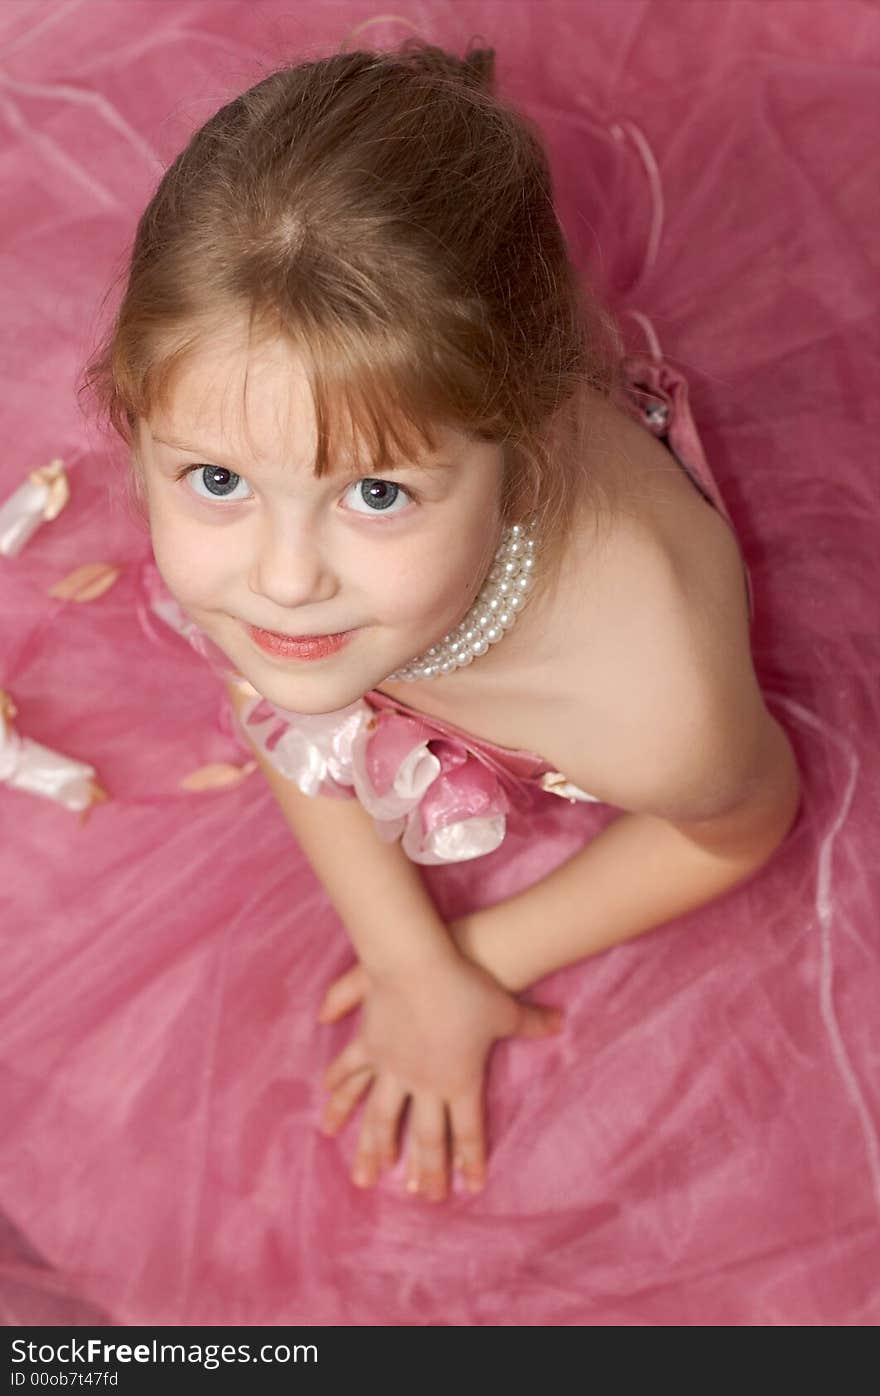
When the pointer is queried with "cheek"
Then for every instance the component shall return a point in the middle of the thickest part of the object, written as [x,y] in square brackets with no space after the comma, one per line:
[188,560]
[440,575]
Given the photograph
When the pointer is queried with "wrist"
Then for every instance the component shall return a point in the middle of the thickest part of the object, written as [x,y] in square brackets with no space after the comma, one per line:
[413,962]
[473,935]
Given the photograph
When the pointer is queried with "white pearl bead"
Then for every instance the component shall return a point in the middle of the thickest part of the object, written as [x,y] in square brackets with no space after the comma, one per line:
[494,610]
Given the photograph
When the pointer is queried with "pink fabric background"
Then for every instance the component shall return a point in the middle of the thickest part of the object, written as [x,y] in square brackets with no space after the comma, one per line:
[700,1146]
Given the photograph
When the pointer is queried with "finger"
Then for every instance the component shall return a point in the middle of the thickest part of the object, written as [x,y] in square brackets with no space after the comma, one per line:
[538,1021]
[467,1126]
[344,994]
[377,1146]
[344,1099]
[351,1058]
[427,1156]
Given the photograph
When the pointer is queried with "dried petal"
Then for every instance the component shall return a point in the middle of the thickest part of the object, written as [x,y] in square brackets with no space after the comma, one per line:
[216,776]
[97,796]
[54,478]
[86,583]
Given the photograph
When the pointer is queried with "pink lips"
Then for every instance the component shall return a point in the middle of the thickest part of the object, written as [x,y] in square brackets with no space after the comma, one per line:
[305,647]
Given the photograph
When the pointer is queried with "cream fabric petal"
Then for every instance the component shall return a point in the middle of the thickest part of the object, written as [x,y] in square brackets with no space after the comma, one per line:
[455,843]
[40,771]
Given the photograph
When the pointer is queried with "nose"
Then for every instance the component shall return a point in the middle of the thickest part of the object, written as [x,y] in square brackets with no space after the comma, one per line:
[288,569]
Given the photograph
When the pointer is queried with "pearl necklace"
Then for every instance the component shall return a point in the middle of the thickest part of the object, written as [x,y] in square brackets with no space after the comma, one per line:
[500,600]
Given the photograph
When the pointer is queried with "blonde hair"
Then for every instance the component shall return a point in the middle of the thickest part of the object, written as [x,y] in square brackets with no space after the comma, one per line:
[391,217]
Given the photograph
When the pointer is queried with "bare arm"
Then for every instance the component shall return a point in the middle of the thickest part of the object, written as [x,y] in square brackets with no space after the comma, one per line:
[639,872]
[376,889]
[430,1014]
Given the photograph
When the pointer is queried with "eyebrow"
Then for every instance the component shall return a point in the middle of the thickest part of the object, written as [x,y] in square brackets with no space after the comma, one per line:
[391,467]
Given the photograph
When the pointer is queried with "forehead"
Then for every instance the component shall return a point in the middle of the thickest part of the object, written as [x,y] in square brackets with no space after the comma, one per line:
[248,394]
[255,399]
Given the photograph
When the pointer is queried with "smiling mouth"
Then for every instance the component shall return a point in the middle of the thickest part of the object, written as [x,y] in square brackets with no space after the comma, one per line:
[303,635]
[298,646]
[282,635]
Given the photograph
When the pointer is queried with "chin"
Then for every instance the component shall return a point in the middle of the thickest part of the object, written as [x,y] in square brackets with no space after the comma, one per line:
[312,687]
[308,697]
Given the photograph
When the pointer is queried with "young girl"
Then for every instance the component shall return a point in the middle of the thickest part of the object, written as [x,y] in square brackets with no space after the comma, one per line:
[448,546]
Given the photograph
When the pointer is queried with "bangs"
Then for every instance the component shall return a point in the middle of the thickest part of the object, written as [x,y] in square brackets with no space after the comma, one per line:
[368,413]
[376,408]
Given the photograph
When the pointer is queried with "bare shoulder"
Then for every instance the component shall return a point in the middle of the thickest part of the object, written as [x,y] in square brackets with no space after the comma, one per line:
[619,644]
[634,678]
[659,669]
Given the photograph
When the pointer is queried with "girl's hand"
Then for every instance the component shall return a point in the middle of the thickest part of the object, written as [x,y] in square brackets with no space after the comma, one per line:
[428,1039]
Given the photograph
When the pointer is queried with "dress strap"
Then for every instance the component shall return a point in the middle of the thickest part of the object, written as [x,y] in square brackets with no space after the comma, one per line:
[657,395]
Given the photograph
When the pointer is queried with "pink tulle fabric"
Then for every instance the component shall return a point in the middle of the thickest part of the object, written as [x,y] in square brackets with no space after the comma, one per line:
[701,1144]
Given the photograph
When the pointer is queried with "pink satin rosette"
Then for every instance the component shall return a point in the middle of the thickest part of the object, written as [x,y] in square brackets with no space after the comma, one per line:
[430,792]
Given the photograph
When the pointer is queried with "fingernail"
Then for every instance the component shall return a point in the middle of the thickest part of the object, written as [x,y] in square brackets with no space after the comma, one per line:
[412,1184]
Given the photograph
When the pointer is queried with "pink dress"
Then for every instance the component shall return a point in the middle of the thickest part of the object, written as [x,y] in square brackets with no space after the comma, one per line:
[443,792]
[700,1145]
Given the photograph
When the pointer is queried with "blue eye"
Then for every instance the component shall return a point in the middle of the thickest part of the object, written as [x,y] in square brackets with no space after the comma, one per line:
[218,481]
[384,494]
[380,496]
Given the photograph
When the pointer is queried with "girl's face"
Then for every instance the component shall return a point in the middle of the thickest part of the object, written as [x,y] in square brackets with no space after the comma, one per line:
[244,534]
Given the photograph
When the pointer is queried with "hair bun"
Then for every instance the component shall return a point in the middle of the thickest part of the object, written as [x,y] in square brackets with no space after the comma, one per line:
[478,68]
